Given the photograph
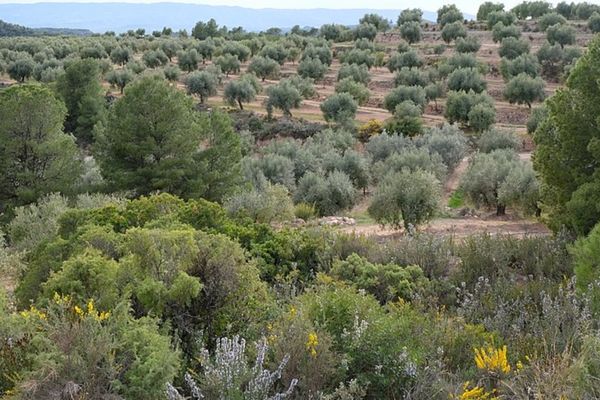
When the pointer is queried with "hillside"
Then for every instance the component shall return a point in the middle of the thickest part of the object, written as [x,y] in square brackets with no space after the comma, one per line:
[369,211]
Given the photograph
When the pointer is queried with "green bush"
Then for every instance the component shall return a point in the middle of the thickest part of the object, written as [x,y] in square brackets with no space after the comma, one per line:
[329,195]
[469,44]
[265,205]
[387,282]
[406,120]
[495,139]
[305,211]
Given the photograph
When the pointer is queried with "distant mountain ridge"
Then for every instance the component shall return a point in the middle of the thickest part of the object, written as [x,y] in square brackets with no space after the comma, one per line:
[8,29]
[120,17]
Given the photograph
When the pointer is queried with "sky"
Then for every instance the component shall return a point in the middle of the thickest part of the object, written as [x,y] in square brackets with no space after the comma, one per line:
[469,6]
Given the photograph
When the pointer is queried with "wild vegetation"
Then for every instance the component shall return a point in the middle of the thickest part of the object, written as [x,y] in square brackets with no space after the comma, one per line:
[235,215]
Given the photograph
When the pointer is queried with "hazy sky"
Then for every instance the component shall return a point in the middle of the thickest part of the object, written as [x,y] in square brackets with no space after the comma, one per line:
[469,6]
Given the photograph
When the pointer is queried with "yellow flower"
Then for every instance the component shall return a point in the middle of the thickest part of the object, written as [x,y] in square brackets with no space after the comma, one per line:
[33,312]
[102,316]
[312,343]
[293,311]
[475,393]
[61,300]
[492,359]
[79,311]
[519,365]
[90,306]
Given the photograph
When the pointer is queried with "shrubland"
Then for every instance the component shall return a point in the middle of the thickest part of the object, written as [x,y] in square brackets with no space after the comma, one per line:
[168,239]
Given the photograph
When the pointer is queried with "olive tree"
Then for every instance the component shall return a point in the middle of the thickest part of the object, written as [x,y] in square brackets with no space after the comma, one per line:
[486,8]
[472,109]
[411,31]
[501,31]
[551,19]
[494,139]
[283,96]
[339,108]
[312,68]
[120,55]
[448,14]
[408,59]
[466,79]
[396,96]
[499,179]
[594,22]
[507,18]
[358,73]
[412,77]
[561,34]
[188,60]
[453,31]
[242,90]
[469,44]
[366,31]
[406,198]
[172,73]
[523,89]
[378,21]
[229,64]
[512,48]
[275,52]
[264,67]
[357,90]
[525,63]
[412,159]
[155,58]
[329,194]
[202,83]
[120,78]
[448,141]
[410,15]
[360,57]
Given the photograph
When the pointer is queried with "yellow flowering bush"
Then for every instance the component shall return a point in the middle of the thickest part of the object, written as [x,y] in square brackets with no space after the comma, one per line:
[312,343]
[33,312]
[492,360]
[371,128]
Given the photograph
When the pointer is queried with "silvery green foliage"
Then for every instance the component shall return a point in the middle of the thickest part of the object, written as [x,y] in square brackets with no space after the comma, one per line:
[11,261]
[172,393]
[351,391]
[448,141]
[36,222]
[227,374]
[558,318]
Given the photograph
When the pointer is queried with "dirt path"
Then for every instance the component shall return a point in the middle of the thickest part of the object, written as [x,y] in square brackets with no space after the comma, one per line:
[460,228]
[453,180]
